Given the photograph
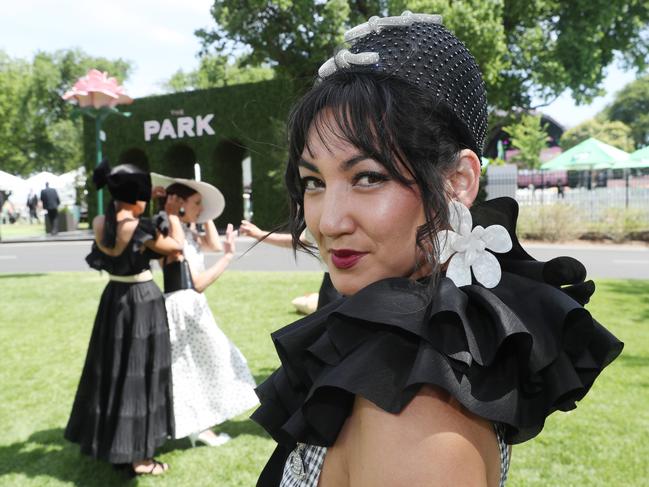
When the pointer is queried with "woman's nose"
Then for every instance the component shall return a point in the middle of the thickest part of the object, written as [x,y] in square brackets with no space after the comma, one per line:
[336,213]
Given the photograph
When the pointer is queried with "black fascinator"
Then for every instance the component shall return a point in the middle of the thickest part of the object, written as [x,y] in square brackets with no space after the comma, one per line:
[125,182]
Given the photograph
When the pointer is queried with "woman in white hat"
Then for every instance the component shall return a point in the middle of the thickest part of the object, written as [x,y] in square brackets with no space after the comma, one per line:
[211,379]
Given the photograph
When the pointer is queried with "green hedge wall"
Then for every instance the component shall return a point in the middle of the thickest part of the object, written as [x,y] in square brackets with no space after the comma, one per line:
[248,121]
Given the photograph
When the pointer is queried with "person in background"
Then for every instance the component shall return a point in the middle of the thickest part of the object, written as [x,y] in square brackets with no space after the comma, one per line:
[32,206]
[122,411]
[8,211]
[211,379]
[51,202]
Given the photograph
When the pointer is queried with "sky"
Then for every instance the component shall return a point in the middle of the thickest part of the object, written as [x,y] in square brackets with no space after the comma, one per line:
[157,36]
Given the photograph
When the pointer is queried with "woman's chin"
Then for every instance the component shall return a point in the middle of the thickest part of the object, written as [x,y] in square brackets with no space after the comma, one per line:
[347,284]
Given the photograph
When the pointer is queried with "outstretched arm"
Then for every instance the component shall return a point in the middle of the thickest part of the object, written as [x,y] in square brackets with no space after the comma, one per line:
[277,239]
[203,279]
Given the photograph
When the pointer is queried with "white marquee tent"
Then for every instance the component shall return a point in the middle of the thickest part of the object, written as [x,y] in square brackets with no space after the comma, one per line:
[9,182]
[65,184]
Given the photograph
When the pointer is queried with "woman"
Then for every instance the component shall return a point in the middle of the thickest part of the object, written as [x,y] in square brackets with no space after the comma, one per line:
[122,409]
[212,382]
[451,342]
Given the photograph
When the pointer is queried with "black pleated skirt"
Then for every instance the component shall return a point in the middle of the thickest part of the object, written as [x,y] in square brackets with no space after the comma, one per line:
[123,407]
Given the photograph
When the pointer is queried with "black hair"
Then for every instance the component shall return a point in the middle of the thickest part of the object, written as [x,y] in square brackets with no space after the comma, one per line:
[180,190]
[391,121]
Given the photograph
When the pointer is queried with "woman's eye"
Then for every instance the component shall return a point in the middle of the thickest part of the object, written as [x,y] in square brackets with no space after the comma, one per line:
[370,178]
[310,183]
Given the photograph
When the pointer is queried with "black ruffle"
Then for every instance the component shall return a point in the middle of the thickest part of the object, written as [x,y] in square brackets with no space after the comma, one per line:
[145,231]
[512,354]
[96,259]
[161,222]
[136,256]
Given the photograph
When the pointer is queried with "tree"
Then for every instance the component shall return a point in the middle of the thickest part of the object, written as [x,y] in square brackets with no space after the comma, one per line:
[216,71]
[613,133]
[37,131]
[530,138]
[13,87]
[526,48]
[631,106]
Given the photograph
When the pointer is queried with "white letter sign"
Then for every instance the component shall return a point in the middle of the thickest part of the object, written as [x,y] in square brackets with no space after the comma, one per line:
[203,124]
[151,127]
[167,130]
[184,127]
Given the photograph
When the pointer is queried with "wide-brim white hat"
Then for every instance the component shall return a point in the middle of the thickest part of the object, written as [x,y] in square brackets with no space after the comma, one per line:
[212,199]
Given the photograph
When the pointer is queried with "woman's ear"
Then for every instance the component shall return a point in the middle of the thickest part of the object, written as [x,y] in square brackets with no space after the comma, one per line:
[465,179]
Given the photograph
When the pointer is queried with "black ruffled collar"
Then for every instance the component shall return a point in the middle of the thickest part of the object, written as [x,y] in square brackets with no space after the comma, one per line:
[512,354]
[146,229]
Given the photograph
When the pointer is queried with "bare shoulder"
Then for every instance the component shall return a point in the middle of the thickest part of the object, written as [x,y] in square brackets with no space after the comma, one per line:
[98,223]
[432,441]
[98,227]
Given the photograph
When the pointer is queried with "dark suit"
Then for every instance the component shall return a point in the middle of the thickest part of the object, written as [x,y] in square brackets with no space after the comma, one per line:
[51,202]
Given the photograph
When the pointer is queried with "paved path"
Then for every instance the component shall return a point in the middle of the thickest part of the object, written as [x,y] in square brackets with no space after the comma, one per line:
[52,256]
[601,261]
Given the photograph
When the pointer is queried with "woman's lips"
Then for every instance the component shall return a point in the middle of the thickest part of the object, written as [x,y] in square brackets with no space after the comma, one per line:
[344,258]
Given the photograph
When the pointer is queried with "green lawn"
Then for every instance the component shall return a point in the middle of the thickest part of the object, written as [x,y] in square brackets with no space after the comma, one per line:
[45,325]
[21,229]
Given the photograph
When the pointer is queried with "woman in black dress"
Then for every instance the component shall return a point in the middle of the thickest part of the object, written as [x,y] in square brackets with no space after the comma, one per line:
[451,342]
[123,408]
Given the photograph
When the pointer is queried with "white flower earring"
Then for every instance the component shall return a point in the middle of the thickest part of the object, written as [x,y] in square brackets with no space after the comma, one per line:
[467,248]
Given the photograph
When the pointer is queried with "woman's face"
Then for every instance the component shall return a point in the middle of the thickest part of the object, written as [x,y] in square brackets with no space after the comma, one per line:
[363,221]
[193,206]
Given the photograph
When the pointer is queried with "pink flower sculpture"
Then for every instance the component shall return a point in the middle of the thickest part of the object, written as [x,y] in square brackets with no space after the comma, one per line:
[96,89]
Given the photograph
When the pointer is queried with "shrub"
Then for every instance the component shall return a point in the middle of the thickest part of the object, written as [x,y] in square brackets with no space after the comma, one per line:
[560,221]
[555,223]
[621,224]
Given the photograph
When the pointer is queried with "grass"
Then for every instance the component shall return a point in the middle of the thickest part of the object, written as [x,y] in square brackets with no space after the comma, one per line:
[22,229]
[45,326]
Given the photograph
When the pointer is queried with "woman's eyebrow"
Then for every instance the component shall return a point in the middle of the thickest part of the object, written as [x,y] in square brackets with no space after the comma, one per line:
[310,166]
[349,163]
[344,166]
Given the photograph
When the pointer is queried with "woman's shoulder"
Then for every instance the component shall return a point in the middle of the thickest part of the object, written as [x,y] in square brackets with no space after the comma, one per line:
[432,414]
[98,225]
[433,435]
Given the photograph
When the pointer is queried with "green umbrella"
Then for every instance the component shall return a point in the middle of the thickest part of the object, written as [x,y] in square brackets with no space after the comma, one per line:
[589,154]
[637,159]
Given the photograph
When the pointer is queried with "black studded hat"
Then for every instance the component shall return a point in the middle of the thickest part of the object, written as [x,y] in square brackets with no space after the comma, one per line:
[421,51]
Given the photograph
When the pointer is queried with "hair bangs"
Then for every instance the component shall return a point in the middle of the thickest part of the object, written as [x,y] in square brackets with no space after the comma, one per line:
[351,109]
